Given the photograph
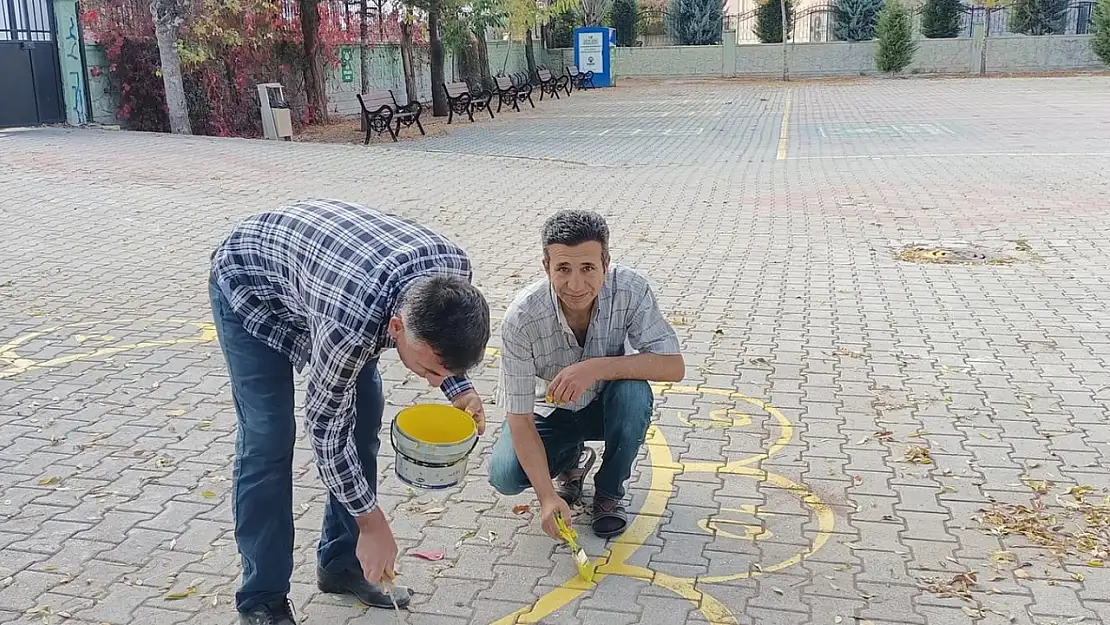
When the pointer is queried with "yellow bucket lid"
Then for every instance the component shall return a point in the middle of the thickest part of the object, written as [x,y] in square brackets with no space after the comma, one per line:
[436,424]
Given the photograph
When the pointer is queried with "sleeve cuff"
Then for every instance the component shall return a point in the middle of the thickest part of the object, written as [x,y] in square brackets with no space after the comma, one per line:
[454,386]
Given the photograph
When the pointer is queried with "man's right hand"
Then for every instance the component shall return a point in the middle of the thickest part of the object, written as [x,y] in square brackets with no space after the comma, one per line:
[549,506]
[376,548]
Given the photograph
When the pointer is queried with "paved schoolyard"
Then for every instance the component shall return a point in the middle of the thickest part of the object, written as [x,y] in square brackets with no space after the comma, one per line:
[850,443]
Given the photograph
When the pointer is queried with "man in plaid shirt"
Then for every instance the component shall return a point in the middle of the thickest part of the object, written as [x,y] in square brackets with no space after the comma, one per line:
[331,285]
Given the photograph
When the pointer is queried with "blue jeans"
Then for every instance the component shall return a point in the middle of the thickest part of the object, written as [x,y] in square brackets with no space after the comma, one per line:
[262,488]
[620,417]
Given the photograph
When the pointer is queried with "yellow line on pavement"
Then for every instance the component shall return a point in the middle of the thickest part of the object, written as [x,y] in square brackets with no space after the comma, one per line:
[784,129]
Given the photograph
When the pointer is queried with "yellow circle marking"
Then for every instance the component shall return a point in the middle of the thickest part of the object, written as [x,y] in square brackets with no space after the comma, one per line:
[720,419]
[643,525]
[749,531]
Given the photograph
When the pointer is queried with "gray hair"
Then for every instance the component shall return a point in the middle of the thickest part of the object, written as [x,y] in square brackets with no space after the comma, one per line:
[451,316]
[575,227]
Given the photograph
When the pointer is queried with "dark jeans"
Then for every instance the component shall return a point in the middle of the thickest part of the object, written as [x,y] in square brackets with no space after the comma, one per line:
[262,492]
[620,417]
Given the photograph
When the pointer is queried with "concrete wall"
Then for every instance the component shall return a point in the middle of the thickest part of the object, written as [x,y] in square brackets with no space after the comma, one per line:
[1010,53]
[69,60]
[385,63]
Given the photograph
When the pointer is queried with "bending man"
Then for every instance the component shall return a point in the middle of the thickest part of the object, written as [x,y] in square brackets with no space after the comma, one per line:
[331,285]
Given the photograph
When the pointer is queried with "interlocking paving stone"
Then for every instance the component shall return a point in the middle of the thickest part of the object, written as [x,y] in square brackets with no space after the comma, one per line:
[780,277]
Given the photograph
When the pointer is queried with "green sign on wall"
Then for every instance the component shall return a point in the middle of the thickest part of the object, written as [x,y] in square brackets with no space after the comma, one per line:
[346,58]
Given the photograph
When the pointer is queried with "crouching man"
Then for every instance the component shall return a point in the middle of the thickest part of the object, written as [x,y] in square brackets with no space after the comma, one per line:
[567,377]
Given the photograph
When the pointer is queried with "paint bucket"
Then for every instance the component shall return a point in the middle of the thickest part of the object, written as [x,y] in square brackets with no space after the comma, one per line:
[432,443]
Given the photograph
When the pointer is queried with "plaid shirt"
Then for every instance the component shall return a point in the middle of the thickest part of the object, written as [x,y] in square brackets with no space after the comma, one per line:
[318,281]
[537,343]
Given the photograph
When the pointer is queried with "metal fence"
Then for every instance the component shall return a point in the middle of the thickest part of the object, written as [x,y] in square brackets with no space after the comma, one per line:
[815,23]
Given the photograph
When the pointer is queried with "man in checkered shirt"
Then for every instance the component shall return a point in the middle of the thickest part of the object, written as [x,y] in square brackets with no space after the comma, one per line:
[331,285]
[567,375]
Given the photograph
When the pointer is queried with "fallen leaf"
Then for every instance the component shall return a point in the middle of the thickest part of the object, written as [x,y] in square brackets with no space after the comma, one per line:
[1021,574]
[175,413]
[204,425]
[1095,562]
[50,481]
[885,436]
[972,612]
[778,591]
[490,537]
[433,555]
[207,494]
[985,435]
[948,489]
[434,510]
[184,594]
[522,508]
[1078,577]
[839,619]
[918,455]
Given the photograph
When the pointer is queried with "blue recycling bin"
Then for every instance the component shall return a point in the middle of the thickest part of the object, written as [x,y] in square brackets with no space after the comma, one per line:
[591,53]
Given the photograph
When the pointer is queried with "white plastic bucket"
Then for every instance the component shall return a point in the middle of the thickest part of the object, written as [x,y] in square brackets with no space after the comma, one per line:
[432,443]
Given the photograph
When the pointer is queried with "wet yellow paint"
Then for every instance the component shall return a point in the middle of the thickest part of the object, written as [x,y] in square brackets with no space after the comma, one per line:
[436,423]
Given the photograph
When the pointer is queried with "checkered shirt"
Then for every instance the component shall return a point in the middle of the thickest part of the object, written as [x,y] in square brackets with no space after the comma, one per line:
[537,343]
[318,281]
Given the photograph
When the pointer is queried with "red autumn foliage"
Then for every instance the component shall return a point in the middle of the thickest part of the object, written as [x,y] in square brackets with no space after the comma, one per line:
[227,47]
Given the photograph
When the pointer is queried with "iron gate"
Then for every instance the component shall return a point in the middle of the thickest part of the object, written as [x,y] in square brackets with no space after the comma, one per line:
[30,83]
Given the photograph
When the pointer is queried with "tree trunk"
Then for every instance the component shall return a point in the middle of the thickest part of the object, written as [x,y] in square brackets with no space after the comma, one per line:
[483,61]
[439,97]
[406,58]
[785,66]
[364,45]
[168,15]
[469,62]
[530,55]
[314,89]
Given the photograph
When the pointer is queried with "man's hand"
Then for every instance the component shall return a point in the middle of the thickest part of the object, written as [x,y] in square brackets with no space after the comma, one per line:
[376,549]
[572,382]
[471,403]
[548,508]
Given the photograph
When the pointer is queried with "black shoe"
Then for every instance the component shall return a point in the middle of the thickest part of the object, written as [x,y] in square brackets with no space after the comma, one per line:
[355,584]
[278,612]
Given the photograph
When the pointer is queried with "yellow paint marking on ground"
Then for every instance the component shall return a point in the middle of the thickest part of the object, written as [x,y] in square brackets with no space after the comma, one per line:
[645,523]
[784,129]
[206,333]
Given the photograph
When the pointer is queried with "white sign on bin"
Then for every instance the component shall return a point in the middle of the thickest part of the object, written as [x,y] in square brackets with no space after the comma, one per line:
[589,52]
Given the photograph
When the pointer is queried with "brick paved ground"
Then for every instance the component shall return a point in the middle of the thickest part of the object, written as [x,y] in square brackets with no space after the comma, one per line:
[776,488]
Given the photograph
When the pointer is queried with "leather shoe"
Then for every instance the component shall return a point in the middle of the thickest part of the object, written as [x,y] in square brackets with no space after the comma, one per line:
[350,583]
[278,612]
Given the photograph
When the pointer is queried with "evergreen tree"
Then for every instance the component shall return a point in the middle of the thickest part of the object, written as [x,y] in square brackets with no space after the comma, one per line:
[1101,41]
[696,22]
[1039,17]
[855,20]
[940,19]
[623,17]
[768,20]
[896,44]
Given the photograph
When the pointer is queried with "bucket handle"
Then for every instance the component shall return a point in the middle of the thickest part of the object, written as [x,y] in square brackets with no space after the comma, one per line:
[393,444]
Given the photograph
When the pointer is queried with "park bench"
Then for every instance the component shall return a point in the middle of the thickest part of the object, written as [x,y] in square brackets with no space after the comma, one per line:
[550,83]
[509,93]
[460,99]
[380,109]
[580,80]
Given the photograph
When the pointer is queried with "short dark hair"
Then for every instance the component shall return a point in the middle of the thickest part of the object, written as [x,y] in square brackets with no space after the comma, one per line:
[451,315]
[575,227]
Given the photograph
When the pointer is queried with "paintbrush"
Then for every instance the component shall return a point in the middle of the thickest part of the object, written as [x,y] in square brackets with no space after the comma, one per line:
[387,587]
[581,560]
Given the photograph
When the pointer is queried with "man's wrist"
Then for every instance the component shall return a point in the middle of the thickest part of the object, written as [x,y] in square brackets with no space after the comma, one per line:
[369,521]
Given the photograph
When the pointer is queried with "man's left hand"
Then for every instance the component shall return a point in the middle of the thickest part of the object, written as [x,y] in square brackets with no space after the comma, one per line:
[572,382]
[471,403]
